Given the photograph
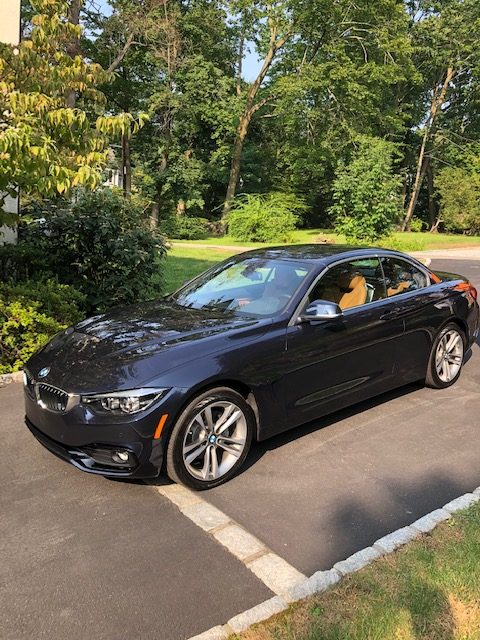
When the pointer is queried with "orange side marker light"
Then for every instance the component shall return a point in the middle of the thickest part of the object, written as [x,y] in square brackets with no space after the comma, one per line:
[160,425]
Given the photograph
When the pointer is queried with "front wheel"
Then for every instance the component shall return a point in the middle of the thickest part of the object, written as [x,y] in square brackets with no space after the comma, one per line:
[211,439]
[446,357]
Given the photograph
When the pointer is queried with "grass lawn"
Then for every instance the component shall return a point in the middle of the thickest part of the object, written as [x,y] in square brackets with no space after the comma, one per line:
[429,590]
[401,241]
[182,264]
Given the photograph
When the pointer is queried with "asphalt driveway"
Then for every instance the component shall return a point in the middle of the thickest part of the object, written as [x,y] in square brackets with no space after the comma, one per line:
[84,557]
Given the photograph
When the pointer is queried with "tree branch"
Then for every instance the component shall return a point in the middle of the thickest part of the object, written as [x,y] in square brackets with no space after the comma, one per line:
[121,54]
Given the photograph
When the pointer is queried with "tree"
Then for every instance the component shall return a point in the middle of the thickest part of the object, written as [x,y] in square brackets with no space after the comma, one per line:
[180,69]
[276,16]
[366,192]
[459,192]
[48,145]
[445,36]
[344,73]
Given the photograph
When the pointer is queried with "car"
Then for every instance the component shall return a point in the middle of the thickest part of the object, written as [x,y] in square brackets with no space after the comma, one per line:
[263,342]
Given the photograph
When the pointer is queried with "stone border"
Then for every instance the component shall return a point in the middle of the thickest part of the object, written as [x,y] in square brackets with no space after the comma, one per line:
[8,378]
[323,580]
[275,572]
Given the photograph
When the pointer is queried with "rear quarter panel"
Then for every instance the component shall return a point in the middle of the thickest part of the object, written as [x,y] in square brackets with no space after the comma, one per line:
[426,312]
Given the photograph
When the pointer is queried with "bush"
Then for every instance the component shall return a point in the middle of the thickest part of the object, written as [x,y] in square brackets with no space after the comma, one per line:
[19,262]
[31,313]
[366,193]
[185,228]
[416,225]
[459,191]
[103,246]
[265,218]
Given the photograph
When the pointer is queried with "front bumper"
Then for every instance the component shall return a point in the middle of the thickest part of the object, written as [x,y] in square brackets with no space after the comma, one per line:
[89,444]
[95,458]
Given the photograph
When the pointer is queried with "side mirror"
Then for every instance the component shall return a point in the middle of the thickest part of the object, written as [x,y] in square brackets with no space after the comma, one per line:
[321,310]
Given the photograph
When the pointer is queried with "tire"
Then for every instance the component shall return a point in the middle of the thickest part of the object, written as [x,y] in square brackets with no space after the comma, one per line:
[443,371]
[204,451]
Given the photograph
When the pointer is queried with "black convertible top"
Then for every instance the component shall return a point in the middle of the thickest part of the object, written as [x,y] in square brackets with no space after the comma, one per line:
[321,252]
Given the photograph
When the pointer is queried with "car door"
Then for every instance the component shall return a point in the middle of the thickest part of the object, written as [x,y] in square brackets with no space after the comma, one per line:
[333,363]
[421,307]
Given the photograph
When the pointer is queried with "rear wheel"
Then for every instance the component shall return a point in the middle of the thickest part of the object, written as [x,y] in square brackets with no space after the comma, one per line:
[211,439]
[446,358]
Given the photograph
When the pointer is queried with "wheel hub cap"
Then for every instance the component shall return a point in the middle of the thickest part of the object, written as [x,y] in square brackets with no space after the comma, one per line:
[449,355]
[214,440]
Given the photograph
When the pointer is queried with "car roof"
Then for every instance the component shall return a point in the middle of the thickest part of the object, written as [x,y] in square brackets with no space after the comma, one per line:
[324,253]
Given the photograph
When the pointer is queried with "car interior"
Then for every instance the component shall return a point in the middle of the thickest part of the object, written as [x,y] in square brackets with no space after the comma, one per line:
[265,287]
[259,287]
[352,284]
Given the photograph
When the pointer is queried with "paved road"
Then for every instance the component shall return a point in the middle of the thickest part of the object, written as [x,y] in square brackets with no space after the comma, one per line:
[82,557]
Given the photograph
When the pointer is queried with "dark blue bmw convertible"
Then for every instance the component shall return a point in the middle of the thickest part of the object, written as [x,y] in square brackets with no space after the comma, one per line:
[261,343]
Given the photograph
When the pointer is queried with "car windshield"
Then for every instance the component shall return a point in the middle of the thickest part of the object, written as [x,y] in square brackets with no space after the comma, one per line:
[253,286]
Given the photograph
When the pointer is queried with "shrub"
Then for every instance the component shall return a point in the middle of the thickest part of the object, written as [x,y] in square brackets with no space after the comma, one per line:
[366,193]
[416,225]
[31,313]
[185,228]
[265,218]
[19,262]
[103,246]
[459,191]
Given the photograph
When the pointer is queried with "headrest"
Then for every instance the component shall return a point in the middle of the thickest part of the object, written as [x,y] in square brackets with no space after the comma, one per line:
[349,280]
[357,281]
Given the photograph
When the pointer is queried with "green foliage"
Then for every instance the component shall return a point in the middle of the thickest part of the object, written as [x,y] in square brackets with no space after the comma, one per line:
[103,246]
[342,71]
[47,143]
[416,225]
[185,228]
[366,193]
[19,262]
[265,217]
[459,191]
[31,313]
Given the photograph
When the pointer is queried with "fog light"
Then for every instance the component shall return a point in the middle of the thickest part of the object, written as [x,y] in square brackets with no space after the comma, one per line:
[120,456]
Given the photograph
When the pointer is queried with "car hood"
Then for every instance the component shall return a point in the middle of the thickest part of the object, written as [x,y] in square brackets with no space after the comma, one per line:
[137,343]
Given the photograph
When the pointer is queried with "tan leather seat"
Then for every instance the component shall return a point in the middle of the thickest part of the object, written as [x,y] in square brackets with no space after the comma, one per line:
[400,288]
[355,291]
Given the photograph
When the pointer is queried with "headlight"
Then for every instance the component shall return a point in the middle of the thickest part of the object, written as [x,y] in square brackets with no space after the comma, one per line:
[121,402]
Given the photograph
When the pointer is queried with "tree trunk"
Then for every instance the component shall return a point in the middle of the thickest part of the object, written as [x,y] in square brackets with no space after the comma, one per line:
[432,207]
[437,102]
[126,167]
[434,229]
[154,214]
[404,191]
[417,184]
[241,46]
[236,160]
[73,46]
[245,118]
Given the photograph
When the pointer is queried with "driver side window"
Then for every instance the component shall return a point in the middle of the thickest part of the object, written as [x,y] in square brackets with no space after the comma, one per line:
[351,284]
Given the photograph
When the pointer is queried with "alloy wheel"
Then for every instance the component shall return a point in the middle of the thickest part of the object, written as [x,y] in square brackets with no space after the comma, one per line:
[449,355]
[214,440]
